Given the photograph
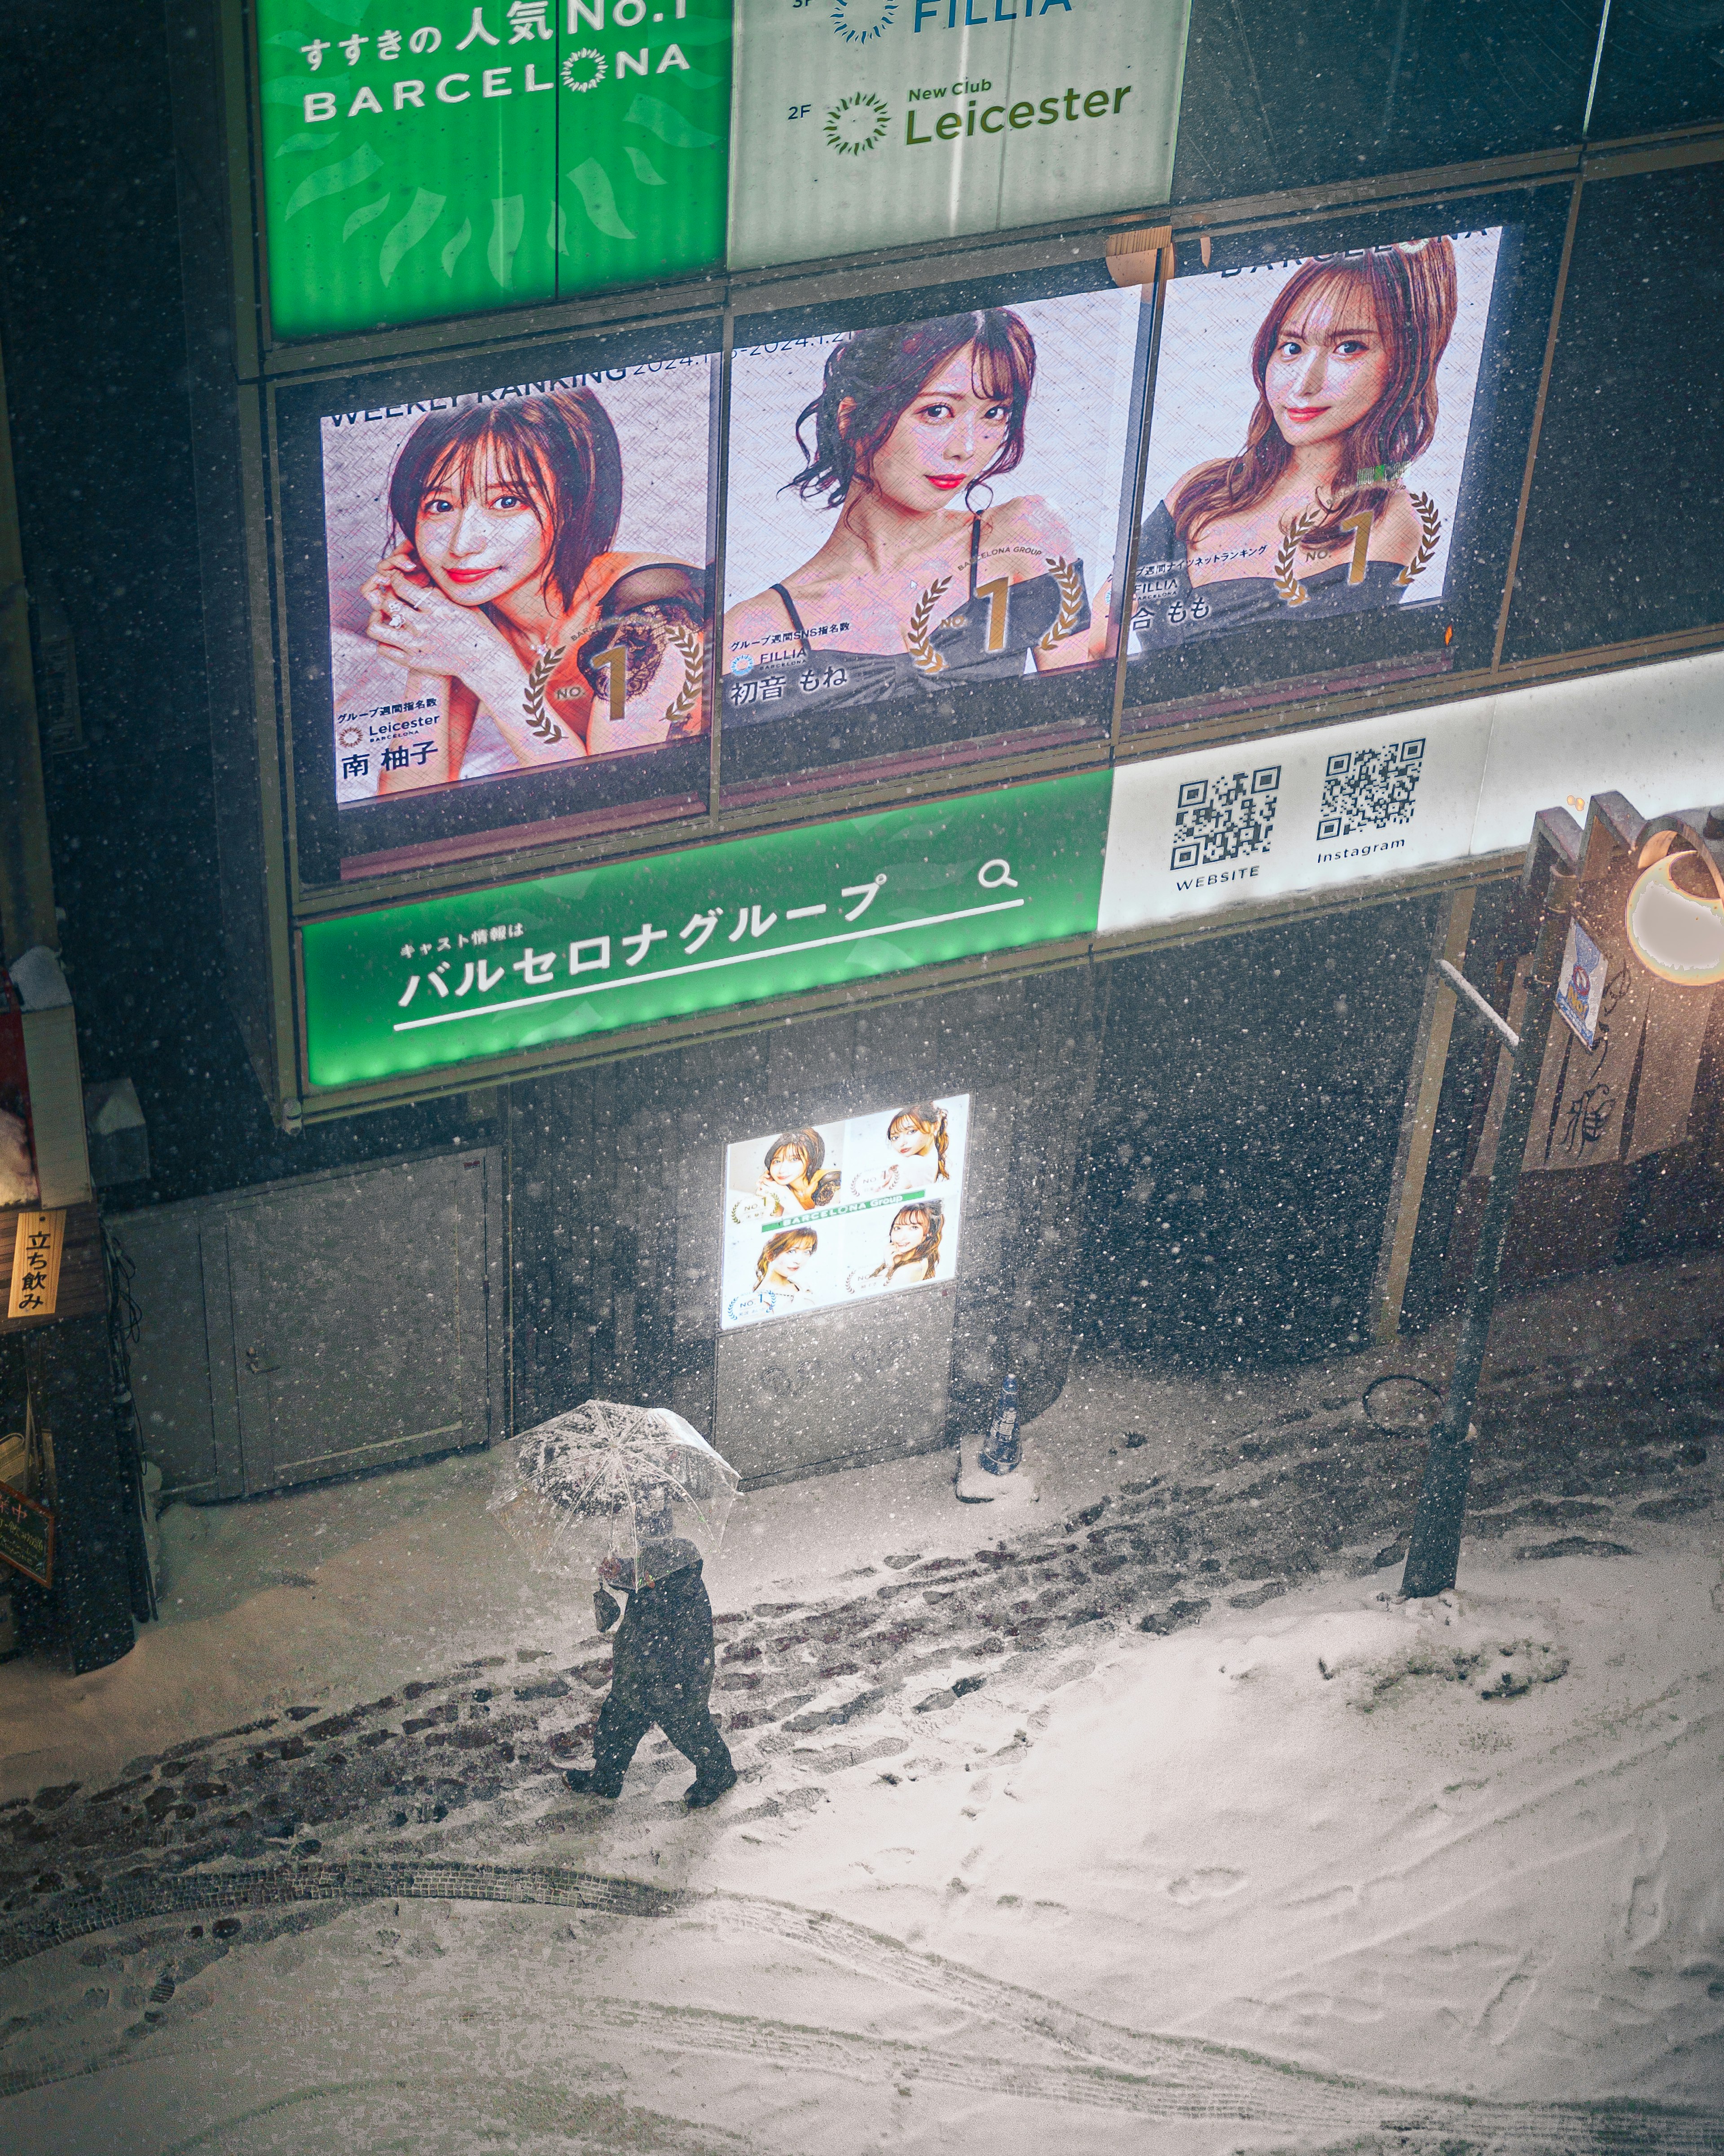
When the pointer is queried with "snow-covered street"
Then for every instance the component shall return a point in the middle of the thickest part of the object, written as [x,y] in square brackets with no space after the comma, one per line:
[1130,1813]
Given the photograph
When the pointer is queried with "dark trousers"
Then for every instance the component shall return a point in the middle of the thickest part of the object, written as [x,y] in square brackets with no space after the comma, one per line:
[681,1713]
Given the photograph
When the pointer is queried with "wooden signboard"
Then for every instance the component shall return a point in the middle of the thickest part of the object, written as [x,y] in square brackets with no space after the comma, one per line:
[26,1536]
[80,1288]
[38,1243]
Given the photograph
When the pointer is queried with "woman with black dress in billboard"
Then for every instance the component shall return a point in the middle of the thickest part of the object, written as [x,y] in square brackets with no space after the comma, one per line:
[507,608]
[1311,518]
[924,575]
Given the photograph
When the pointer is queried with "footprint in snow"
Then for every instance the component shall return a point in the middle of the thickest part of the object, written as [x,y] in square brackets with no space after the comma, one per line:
[1193,1888]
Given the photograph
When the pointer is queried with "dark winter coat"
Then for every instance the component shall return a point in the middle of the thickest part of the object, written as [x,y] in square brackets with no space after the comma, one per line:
[664,1644]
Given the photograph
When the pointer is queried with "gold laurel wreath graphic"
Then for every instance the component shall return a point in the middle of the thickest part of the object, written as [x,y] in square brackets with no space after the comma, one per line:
[540,723]
[1430,525]
[684,642]
[923,655]
[1071,600]
[1288,587]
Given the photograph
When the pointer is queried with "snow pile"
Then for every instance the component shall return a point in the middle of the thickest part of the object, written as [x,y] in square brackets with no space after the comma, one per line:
[1467,1845]
[1445,1638]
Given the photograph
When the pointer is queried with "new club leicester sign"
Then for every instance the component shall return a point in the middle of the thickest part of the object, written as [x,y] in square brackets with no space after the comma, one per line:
[440,157]
[876,123]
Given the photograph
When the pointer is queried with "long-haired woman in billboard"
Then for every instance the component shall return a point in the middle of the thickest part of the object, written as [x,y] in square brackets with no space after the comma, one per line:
[919,1133]
[505,606]
[782,1258]
[796,1173]
[1313,516]
[913,1241]
[924,574]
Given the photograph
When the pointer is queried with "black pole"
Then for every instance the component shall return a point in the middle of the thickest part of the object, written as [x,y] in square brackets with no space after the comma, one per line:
[1433,1551]
[72,1388]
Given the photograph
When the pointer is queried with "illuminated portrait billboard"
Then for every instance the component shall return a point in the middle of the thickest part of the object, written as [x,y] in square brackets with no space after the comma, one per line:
[874,123]
[1310,428]
[1335,447]
[922,510]
[1336,426]
[826,1214]
[512,594]
[458,158]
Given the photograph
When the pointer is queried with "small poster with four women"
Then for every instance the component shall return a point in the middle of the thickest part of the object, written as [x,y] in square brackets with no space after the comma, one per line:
[830,1213]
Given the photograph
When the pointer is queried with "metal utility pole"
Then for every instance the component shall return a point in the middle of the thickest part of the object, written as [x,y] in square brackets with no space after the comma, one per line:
[1434,1549]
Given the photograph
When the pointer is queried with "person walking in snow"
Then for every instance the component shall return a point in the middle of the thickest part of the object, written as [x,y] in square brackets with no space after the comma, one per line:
[661,1671]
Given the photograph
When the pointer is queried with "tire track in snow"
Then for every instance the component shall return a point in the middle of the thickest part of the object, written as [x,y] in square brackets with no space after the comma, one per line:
[1454,1843]
[1109,2066]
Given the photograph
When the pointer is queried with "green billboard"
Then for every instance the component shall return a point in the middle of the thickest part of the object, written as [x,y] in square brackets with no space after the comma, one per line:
[448,158]
[553,959]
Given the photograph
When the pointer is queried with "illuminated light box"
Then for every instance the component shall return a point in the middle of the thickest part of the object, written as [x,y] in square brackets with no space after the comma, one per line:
[832,1214]
[453,159]
[499,596]
[927,494]
[1334,453]
[1312,424]
[874,123]
[554,959]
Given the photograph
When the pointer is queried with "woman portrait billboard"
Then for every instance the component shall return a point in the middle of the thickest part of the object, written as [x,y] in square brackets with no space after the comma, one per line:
[832,1214]
[918,506]
[518,579]
[1312,426]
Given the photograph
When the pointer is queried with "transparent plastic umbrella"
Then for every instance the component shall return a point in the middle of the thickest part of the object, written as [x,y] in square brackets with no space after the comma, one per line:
[627,1493]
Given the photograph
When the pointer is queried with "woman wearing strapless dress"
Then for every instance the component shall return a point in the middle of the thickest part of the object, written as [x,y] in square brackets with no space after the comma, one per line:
[924,578]
[1311,519]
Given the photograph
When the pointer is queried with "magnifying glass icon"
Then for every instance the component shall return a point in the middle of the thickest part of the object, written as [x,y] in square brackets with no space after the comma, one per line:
[989,880]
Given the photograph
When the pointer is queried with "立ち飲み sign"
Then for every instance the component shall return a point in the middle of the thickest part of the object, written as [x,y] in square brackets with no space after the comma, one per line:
[449,158]
[532,964]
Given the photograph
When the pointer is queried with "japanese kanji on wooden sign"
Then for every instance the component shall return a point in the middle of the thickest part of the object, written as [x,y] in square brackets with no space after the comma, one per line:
[40,1238]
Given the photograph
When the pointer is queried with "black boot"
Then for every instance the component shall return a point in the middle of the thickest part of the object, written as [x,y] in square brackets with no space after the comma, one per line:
[585,1783]
[700,1793]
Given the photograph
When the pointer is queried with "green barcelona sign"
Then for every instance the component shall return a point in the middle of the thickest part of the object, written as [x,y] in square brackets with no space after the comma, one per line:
[434,157]
[558,958]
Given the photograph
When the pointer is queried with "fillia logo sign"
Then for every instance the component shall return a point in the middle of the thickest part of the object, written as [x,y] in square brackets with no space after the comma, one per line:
[858,21]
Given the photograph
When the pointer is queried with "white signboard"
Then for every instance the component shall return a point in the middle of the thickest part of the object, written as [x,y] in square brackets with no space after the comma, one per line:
[830,1213]
[1413,789]
[858,124]
[1580,992]
[1292,813]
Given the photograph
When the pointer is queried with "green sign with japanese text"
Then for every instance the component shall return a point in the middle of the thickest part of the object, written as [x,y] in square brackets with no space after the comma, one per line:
[441,157]
[555,959]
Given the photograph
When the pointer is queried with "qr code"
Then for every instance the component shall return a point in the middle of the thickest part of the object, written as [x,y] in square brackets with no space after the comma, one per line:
[1367,789]
[1219,820]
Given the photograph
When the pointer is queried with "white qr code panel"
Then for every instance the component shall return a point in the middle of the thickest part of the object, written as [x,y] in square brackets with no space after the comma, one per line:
[1221,819]
[1369,789]
[1478,770]
[1208,829]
